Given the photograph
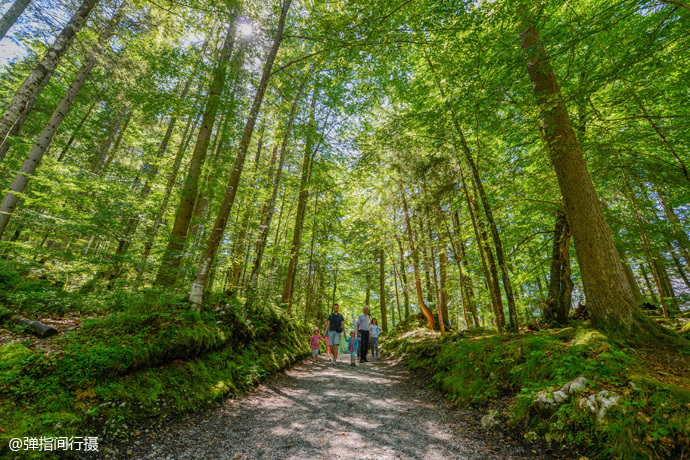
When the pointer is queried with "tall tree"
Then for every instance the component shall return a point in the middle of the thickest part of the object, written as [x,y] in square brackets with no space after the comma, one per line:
[167,272]
[11,198]
[45,67]
[196,294]
[609,298]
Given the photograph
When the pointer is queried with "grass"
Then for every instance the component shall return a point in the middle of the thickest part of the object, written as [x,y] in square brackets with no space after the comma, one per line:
[651,420]
[143,361]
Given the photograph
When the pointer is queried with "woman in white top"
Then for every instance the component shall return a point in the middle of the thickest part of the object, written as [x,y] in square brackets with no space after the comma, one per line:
[375,330]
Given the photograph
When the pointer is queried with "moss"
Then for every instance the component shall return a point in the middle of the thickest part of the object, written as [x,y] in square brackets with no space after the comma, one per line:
[137,364]
[476,368]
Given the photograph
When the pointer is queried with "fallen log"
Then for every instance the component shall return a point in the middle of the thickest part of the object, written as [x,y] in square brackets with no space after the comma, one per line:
[38,328]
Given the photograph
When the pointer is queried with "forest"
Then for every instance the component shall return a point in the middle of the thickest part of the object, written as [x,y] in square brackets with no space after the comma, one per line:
[188,187]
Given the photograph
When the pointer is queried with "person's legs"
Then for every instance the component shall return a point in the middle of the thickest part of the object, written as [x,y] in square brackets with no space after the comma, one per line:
[364,346]
[374,347]
[334,340]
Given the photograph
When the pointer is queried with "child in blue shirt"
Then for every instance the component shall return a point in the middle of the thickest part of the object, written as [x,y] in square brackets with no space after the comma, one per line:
[352,347]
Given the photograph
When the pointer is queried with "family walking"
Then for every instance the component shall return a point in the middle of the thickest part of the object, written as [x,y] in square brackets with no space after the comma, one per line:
[365,334]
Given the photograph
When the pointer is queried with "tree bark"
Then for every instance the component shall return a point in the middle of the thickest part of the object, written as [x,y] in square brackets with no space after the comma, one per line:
[197,291]
[609,299]
[9,202]
[403,278]
[167,273]
[415,263]
[301,205]
[6,144]
[9,18]
[47,65]
[382,290]
[269,205]
[152,231]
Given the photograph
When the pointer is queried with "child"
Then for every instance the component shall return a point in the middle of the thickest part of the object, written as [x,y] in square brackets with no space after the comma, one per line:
[352,347]
[315,337]
[374,337]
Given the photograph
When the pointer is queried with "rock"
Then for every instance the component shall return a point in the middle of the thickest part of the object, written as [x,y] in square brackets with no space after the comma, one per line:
[560,397]
[490,420]
[589,402]
[575,386]
[545,405]
[600,403]
[605,400]
[632,385]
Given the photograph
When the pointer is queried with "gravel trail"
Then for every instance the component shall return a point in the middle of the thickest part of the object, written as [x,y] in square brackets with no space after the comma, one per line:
[375,410]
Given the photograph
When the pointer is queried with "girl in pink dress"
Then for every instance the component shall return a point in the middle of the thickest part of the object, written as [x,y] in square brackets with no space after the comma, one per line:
[314,339]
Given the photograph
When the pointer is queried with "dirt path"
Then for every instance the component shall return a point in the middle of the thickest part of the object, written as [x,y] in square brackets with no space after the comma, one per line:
[314,411]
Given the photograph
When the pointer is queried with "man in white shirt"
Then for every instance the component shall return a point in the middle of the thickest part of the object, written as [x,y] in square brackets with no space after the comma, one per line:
[362,325]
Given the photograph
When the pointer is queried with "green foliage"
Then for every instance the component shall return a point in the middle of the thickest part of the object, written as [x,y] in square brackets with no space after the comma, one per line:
[475,368]
[142,362]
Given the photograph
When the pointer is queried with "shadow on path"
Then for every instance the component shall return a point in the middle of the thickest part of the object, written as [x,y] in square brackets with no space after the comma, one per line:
[375,410]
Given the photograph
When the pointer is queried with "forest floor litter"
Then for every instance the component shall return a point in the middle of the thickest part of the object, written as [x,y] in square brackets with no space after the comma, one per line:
[376,410]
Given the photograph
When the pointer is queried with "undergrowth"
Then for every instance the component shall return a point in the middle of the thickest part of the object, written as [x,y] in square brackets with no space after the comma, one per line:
[145,360]
[651,420]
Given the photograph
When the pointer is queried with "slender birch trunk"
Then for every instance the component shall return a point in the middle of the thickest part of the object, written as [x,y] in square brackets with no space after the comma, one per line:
[197,292]
[47,65]
[9,18]
[9,202]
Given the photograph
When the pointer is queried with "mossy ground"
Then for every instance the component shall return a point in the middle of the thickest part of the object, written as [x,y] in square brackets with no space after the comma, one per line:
[652,419]
[152,357]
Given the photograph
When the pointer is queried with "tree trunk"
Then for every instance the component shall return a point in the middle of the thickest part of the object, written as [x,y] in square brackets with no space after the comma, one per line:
[678,231]
[382,290]
[269,205]
[415,263]
[21,98]
[73,137]
[301,206]
[172,177]
[493,228]
[403,277]
[464,267]
[485,250]
[6,144]
[441,318]
[102,156]
[652,258]
[632,281]
[118,143]
[167,272]
[609,299]
[9,202]
[560,285]
[9,18]
[443,279]
[197,291]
